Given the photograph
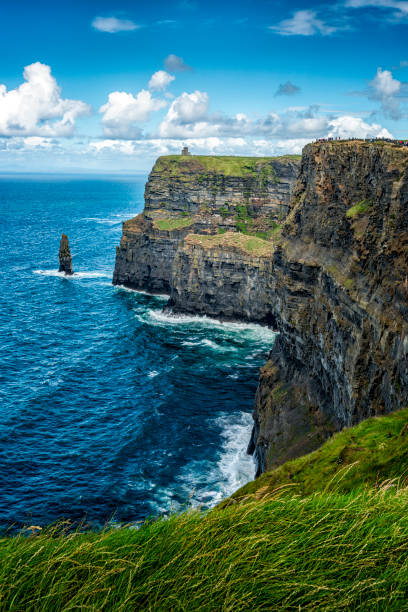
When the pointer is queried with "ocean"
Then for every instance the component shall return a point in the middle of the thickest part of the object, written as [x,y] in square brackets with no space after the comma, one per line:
[110,410]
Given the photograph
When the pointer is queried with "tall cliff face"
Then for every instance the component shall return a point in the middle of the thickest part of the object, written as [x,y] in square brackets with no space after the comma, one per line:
[340,300]
[225,276]
[200,195]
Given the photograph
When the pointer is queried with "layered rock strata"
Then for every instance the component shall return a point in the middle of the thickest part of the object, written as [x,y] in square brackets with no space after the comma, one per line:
[340,300]
[200,195]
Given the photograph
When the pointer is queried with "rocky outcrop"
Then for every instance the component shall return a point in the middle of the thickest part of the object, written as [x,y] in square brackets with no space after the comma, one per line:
[225,276]
[65,259]
[200,195]
[340,300]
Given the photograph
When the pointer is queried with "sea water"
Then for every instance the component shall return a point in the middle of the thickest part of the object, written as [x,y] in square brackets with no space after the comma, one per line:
[110,409]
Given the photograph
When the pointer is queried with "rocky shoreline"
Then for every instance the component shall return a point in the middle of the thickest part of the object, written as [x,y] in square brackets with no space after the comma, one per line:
[316,249]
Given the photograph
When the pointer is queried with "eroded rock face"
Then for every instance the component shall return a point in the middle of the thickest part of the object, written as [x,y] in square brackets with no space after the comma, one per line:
[200,195]
[220,277]
[65,259]
[340,300]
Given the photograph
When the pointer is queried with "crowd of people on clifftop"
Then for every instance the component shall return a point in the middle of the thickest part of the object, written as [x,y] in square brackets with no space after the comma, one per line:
[402,143]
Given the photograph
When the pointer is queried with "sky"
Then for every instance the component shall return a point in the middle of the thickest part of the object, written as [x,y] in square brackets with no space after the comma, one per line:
[108,86]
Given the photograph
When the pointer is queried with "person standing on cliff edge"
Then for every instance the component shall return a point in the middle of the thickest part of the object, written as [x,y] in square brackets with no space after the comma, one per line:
[65,259]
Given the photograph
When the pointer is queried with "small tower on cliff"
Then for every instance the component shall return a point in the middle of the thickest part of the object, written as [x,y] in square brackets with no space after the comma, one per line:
[65,259]
[185,151]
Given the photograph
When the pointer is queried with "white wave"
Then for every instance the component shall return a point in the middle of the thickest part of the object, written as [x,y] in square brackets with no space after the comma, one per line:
[169,318]
[152,374]
[206,342]
[76,275]
[235,465]
[160,296]
[115,220]
[208,485]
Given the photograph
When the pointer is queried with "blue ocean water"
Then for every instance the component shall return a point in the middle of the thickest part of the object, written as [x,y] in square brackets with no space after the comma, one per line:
[110,410]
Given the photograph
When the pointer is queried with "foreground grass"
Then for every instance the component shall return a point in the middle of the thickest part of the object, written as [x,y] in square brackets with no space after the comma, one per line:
[328,531]
[322,552]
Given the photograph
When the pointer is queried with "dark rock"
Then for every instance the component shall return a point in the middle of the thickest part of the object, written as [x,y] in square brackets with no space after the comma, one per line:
[65,259]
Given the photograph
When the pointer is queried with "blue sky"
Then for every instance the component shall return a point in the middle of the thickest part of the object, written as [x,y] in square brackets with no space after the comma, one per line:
[109,86]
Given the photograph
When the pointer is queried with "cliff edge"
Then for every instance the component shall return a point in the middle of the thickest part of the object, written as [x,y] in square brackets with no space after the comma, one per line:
[340,300]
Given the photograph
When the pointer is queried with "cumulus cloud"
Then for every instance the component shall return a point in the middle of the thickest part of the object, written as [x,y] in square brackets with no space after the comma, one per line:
[160,80]
[355,127]
[113,25]
[35,108]
[287,89]
[123,110]
[303,23]
[187,115]
[385,88]
[174,63]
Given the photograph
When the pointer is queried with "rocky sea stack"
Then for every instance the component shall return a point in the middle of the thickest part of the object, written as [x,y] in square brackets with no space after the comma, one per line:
[65,259]
[322,258]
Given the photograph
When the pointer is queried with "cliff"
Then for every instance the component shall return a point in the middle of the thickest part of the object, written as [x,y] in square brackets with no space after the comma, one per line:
[340,300]
[200,195]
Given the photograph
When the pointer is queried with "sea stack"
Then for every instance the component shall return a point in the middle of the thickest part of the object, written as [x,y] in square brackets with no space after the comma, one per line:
[65,259]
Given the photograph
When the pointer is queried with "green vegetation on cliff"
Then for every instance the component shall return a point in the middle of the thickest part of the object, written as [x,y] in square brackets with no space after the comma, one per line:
[173,223]
[338,541]
[359,209]
[252,245]
[177,165]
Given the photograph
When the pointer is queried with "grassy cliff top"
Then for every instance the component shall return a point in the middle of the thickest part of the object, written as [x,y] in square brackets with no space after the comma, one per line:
[251,245]
[222,164]
[357,457]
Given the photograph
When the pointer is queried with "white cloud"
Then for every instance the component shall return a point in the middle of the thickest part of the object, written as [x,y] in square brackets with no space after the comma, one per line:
[384,84]
[174,63]
[303,23]
[113,25]
[186,116]
[35,108]
[123,110]
[160,80]
[355,127]
[384,88]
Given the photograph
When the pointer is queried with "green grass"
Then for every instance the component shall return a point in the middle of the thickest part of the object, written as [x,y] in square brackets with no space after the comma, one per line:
[353,459]
[173,223]
[226,165]
[251,245]
[359,209]
[337,552]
